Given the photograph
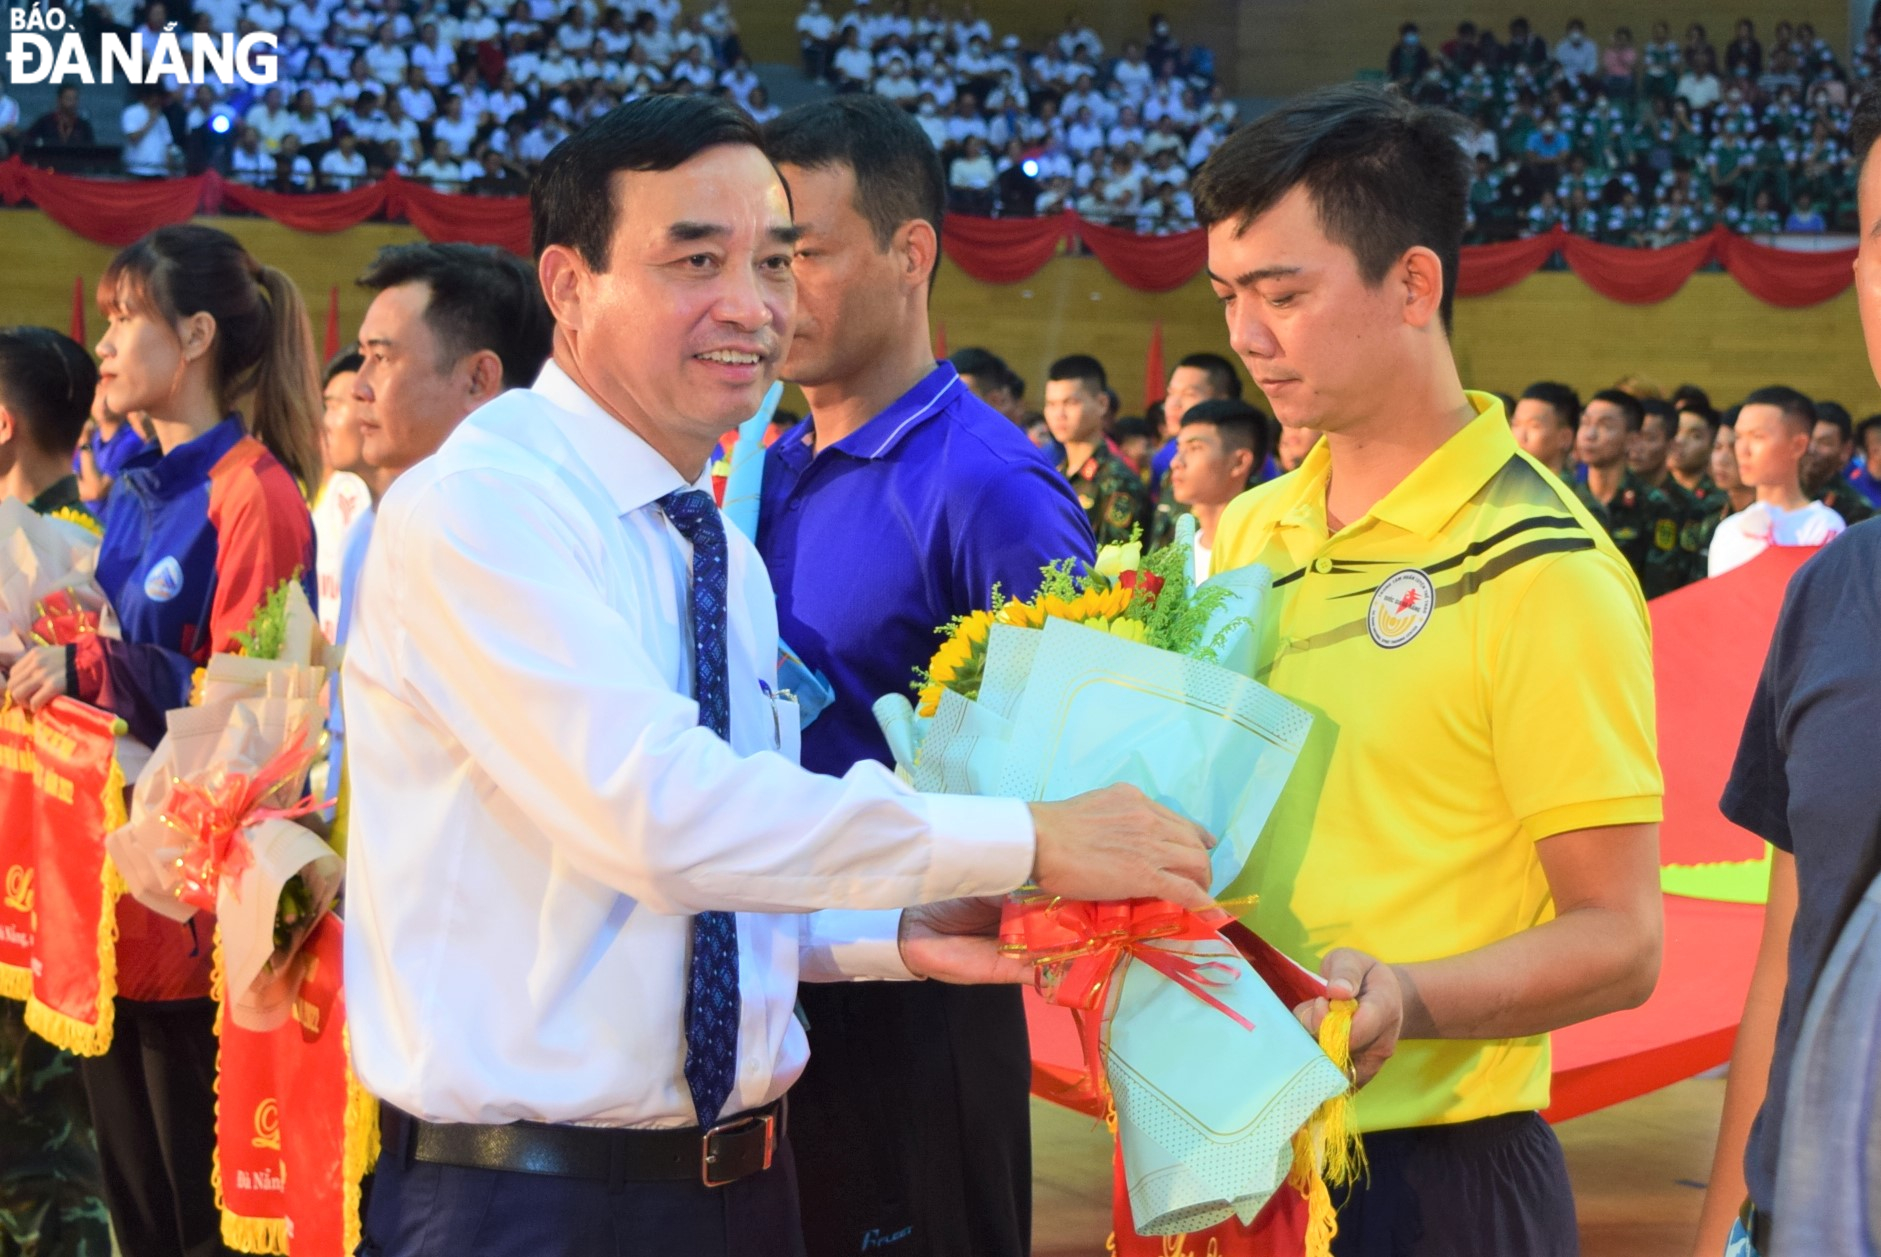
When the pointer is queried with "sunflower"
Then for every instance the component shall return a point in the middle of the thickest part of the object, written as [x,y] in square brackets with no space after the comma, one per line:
[959,663]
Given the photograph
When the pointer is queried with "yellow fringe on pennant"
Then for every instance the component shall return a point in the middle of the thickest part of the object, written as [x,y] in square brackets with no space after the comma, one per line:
[361,1144]
[264,1236]
[16,983]
[60,1029]
[1327,1149]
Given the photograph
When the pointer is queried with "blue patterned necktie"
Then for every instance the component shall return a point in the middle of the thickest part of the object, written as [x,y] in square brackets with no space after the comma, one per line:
[712,981]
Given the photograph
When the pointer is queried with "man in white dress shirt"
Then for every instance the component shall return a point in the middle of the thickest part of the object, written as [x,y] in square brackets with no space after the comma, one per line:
[584,865]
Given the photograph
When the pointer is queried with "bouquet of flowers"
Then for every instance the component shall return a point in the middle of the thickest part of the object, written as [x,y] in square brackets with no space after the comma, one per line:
[1131,673]
[212,824]
[48,595]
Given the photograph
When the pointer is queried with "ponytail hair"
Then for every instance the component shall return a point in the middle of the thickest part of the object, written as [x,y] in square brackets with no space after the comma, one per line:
[263,352]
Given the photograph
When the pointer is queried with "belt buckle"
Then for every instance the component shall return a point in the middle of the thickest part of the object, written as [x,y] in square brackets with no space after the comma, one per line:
[731,1150]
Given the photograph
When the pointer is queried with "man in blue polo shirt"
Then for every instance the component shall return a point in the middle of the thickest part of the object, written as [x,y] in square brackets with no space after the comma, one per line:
[896,506]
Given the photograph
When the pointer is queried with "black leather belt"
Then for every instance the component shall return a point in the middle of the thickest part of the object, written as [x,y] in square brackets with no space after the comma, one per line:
[734,1148]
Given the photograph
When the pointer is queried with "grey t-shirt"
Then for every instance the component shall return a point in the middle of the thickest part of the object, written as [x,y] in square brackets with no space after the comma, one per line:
[1805,780]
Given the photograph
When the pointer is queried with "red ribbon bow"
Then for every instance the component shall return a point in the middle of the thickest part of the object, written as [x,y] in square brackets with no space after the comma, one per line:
[1080,948]
[61,620]
[212,818]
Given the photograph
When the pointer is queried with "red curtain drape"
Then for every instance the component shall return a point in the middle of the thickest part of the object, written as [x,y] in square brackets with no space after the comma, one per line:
[993,250]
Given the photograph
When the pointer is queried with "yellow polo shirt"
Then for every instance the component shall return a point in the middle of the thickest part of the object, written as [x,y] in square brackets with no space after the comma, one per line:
[1478,662]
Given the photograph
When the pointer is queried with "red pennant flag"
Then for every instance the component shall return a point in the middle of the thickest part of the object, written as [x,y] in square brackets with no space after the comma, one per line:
[78,309]
[940,341]
[1153,369]
[332,346]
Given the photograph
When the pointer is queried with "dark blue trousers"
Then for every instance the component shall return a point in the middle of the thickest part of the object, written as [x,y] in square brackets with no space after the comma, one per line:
[423,1210]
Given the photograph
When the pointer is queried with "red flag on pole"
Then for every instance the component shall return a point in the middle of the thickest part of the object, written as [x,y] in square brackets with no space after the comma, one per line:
[78,309]
[1153,369]
[333,324]
[940,341]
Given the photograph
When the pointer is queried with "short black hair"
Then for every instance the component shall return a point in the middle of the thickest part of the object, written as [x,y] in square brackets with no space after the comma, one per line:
[344,361]
[1871,424]
[47,380]
[1795,406]
[1668,415]
[1385,176]
[1837,414]
[1080,367]
[1564,401]
[983,364]
[1634,413]
[1222,376]
[1685,395]
[898,171]
[1864,127]
[1704,411]
[1134,425]
[482,297]
[1242,427]
[571,202]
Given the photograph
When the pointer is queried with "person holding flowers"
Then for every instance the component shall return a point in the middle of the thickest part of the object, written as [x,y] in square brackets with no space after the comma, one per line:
[584,866]
[201,526]
[901,1076]
[1469,841]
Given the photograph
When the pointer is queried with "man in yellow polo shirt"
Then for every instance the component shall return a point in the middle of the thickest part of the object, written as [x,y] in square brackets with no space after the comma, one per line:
[1470,842]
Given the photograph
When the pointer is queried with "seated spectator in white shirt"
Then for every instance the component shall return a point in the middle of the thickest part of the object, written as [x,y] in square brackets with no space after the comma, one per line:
[364,119]
[1162,137]
[976,60]
[969,26]
[249,162]
[896,84]
[436,60]
[740,80]
[224,15]
[307,123]
[939,85]
[1010,90]
[1773,430]
[269,118]
[495,177]
[1132,74]
[1085,135]
[1206,138]
[655,39]
[854,67]
[931,121]
[387,61]
[506,101]
[1577,55]
[576,32]
[1127,130]
[816,30]
[353,18]
[1083,97]
[343,167]
[541,140]
[1167,171]
[265,15]
[692,68]
[441,169]
[421,105]
[477,26]
[306,17]
[965,123]
[1181,109]
[455,125]
[1054,197]
[556,69]
[293,170]
[1219,110]
[760,107]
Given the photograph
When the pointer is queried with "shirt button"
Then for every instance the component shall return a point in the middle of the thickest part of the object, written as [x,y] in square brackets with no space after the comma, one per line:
[1322,566]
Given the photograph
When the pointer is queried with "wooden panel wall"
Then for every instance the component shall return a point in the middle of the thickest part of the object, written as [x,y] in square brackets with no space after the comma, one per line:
[1550,326]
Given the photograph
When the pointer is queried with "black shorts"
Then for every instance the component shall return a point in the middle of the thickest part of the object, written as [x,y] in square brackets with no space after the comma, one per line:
[1497,1187]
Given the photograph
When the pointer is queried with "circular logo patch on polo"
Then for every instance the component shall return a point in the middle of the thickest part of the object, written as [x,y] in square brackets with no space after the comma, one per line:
[165,580]
[1401,608]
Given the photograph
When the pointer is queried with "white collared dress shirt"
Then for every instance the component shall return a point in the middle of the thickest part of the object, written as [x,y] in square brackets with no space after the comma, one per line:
[536,811]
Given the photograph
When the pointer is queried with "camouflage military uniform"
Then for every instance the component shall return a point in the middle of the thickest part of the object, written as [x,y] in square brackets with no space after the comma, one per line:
[1112,494]
[49,1205]
[1846,500]
[1648,526]
[49,1193]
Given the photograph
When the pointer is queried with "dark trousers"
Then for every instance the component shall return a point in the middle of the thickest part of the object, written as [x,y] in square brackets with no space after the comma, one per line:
[152,1099]
[423,1210]
[912,1122]
[1497,1187]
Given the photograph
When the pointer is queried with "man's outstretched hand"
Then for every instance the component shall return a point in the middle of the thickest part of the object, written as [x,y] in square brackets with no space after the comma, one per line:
[1380,1014]
[958,941]
[1118,843]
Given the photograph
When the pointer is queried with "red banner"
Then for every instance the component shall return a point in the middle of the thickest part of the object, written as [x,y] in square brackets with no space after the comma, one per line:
[60,792]
[295,1133]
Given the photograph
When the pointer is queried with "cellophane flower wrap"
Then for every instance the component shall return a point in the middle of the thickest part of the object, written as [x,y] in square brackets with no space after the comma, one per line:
[1128,673]
[213,823]
[49,595]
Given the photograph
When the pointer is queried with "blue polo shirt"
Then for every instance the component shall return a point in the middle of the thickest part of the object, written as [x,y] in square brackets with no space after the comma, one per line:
[110,456]
[894,530]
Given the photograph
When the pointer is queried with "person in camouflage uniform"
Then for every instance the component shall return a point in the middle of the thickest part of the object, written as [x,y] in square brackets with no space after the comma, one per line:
[49,1193]
[1649,457]
[1645,524]
[1689,462]
[1825,467]
[49,1196]
[1110,490]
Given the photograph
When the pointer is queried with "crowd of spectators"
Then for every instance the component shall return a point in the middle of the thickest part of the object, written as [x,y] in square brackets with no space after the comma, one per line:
[1035,131]
[1647,142]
